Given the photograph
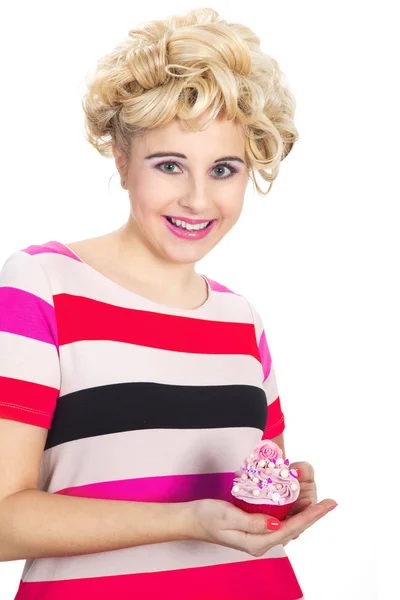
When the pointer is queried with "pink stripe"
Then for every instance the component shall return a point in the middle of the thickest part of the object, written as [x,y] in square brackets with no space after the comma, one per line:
[218,287]
[171,488]
[28,315]
[265,355]
[52,246]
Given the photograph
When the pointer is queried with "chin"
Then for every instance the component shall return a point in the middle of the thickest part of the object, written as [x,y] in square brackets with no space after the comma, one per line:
[185,257]
[186,251]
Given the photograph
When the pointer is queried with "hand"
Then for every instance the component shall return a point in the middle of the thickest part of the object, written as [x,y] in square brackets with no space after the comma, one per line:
[308,487]
[221,522]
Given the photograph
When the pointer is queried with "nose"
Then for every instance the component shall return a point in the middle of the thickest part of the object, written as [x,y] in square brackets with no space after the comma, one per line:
[197,198]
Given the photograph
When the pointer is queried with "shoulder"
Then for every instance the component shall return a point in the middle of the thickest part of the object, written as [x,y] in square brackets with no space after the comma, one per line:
[218,287]
[33,253]
[36,256]
[26,298]
[240,300]
[236,299]
[227,293]
[30,269]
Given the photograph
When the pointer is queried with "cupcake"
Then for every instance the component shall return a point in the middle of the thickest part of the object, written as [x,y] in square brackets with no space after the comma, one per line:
[266,484]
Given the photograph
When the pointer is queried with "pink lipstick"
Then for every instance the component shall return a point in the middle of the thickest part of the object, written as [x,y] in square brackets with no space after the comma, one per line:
[189,234]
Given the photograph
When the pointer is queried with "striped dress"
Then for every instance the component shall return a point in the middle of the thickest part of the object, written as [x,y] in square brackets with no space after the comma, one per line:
[142,402]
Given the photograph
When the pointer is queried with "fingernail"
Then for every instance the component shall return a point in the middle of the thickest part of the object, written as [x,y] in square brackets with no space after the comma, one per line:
[332,507]
[273,524]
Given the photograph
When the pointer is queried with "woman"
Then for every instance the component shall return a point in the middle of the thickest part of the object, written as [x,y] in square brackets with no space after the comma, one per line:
[131,386]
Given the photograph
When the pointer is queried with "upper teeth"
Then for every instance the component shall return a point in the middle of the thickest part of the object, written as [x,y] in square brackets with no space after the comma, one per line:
[188,225]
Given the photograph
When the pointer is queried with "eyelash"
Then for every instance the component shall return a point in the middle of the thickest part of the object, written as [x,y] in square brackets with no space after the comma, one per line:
[223,164]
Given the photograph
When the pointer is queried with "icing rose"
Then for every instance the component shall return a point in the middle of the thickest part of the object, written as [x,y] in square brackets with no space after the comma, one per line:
[267,450]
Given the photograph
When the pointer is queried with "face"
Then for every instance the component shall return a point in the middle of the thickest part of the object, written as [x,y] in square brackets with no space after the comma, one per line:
[194,189]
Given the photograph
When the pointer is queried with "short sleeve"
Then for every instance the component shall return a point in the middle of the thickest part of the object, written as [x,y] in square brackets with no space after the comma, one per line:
[275,419]
[29,356]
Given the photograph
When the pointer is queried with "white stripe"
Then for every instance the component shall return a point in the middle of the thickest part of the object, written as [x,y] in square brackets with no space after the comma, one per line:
[68,276]
[145,453]
[258,322]
[29,360]
[22,271]
[149,558]
[270,386]
[87,364]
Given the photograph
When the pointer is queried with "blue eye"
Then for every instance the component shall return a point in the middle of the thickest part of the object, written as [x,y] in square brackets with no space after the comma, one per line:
[232,170]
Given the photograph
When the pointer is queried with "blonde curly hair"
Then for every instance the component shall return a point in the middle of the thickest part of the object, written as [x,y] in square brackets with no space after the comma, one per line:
[182,67]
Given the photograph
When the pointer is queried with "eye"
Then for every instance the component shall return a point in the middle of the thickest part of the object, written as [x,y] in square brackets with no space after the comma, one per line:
[232,170]
[166,163]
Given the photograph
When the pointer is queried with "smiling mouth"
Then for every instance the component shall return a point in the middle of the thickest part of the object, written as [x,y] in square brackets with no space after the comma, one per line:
[191,228]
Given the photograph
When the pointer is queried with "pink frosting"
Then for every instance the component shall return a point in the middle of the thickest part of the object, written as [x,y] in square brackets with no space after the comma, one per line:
[272,486]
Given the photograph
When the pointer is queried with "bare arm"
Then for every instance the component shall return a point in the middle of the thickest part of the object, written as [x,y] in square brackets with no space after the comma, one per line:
[36,524]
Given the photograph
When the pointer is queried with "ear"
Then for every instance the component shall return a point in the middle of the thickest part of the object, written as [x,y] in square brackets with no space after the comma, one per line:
[118,157]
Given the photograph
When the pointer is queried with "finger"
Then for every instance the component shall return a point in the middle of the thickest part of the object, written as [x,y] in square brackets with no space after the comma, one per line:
[298,523]
[306,470]
[309,493]
[289,529]
[304,502]
[300,506]
[252,523]
[297,536]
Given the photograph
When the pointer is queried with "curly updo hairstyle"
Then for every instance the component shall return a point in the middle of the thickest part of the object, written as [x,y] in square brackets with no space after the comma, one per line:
[182,67]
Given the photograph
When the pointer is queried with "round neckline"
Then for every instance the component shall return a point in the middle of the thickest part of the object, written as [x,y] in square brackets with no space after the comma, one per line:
[124,289]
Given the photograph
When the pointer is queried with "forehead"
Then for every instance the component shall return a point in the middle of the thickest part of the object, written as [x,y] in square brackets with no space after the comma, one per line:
[219,135]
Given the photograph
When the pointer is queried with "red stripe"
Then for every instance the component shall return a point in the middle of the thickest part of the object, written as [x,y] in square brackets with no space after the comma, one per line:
[263,579]
[275,421]
[94,320]
[27,402]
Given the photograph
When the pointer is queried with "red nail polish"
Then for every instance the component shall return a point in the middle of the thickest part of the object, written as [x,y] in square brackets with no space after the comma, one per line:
[273,524]
[298,472]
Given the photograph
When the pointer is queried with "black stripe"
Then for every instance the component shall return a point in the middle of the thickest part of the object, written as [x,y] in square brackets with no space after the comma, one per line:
[135,406]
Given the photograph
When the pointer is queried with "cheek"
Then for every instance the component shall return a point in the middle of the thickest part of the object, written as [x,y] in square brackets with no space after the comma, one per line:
[145,207]
[231,210]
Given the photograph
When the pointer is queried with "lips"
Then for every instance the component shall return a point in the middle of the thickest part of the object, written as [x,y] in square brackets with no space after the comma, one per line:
[187,220]
[193,234]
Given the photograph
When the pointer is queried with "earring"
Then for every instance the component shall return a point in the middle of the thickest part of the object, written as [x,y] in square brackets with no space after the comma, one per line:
[123,183]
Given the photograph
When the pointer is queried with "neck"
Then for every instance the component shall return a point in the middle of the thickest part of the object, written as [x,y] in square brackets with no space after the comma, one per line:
[131,250]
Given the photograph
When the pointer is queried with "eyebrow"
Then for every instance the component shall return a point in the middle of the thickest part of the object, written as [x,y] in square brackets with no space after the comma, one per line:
[179,155]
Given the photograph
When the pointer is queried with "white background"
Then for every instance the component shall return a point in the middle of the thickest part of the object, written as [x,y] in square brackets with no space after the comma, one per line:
[318,256]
